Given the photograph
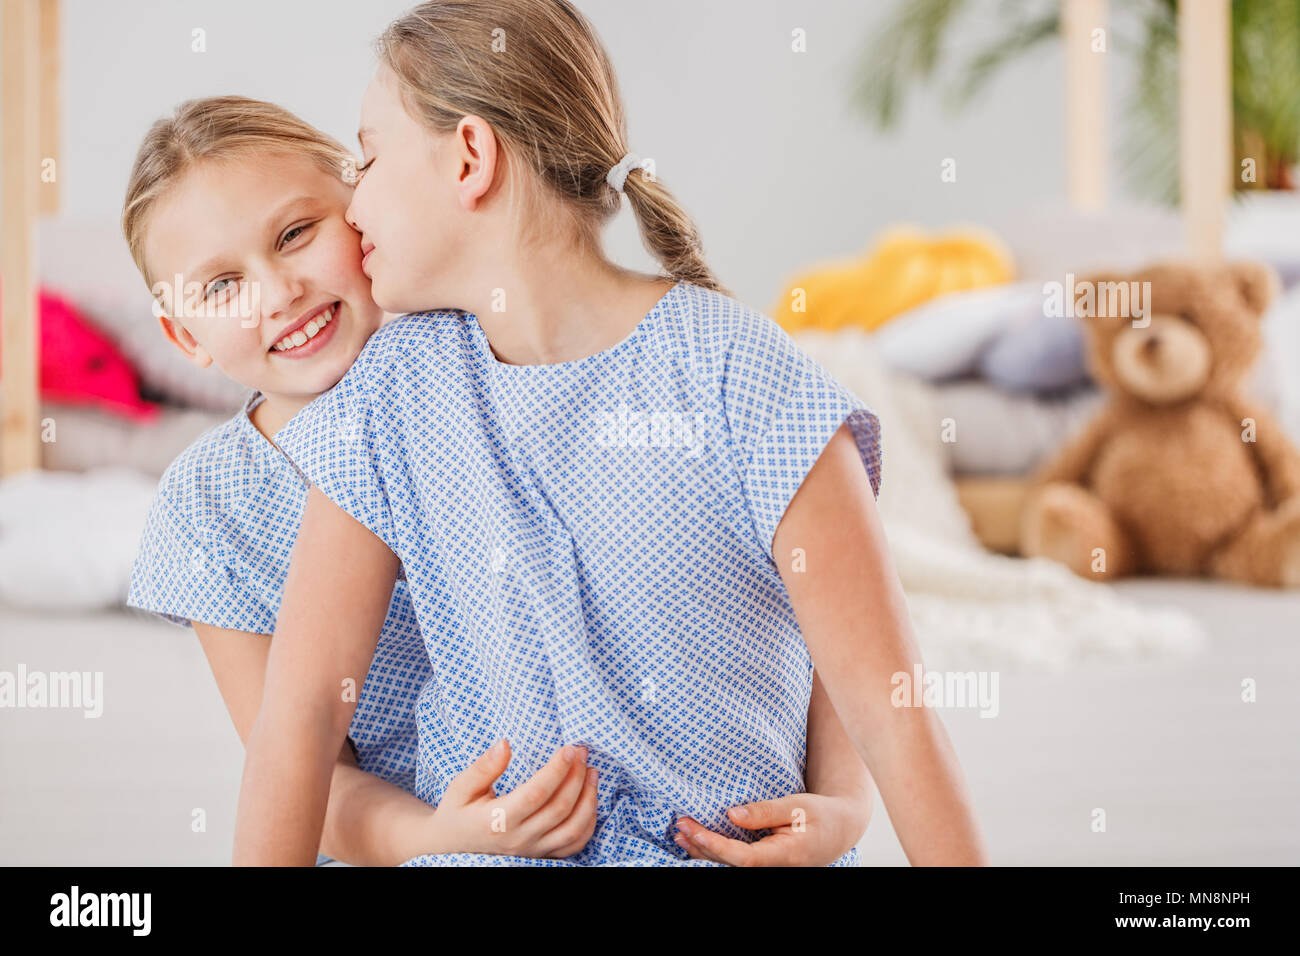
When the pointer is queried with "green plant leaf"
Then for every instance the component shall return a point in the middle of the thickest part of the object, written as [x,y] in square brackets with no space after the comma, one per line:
[905,50]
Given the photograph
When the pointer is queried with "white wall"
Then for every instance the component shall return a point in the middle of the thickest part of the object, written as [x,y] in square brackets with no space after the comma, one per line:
[760,143]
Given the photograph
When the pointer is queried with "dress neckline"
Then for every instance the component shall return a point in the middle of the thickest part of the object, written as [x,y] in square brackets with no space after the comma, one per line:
[642,328]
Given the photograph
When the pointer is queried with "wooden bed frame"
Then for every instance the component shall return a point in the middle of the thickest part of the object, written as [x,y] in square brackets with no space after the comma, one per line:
[29,114]
[29,111]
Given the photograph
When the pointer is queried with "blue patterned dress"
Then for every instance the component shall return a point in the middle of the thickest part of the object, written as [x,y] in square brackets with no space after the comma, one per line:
[588,550]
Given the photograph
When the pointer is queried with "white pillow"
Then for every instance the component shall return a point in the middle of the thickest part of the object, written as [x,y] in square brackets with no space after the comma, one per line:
[944,337]
[68,540]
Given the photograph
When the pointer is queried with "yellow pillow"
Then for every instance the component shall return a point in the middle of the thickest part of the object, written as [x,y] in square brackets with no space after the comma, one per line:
[904,268]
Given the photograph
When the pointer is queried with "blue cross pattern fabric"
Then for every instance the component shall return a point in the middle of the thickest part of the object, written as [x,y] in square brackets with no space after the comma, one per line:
[588,550]
[215,549]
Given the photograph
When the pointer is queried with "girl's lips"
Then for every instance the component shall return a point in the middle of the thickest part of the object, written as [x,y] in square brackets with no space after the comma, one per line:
[369,253]
[316,342]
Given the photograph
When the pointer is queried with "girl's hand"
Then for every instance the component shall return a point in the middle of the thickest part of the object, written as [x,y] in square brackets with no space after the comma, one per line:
[808,829]
[552,814]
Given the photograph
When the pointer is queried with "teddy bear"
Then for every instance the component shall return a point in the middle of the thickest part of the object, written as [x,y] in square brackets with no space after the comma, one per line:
[1178,473]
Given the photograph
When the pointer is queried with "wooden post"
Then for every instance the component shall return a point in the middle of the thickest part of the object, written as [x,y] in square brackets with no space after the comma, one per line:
[20,163]
[1205,121]
[48,142]
[1086,147]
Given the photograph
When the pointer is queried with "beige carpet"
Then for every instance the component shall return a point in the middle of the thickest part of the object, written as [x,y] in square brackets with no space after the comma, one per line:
[1186,772]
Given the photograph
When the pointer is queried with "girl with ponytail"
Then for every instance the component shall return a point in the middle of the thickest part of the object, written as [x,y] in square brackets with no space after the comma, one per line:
[632,515]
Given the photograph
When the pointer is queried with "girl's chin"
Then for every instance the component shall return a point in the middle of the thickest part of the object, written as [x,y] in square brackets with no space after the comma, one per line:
[320,380]
[389,306]
[393,302]
[316,374]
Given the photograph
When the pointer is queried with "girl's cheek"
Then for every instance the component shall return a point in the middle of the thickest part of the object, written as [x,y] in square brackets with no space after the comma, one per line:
[341,258]
[340,269]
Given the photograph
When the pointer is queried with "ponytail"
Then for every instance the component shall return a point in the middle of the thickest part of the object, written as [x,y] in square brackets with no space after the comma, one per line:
[669,234]
[539,75]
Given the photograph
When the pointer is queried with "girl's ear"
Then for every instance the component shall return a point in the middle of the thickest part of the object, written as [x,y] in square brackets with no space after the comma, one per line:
[179,336]
[475,148]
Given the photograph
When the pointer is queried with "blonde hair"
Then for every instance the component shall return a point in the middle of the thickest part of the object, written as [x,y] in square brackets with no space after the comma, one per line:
[215,128]
[551,98]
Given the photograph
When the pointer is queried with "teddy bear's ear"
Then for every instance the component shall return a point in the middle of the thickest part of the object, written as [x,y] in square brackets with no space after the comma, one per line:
[1257,282]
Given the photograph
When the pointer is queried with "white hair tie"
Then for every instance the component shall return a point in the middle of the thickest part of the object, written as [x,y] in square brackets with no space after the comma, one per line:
[617,175]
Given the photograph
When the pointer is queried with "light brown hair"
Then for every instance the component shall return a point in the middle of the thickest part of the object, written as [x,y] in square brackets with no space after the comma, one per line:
[537,73]
[215,128]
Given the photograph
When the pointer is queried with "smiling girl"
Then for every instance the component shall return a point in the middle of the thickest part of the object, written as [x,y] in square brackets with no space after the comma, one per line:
[239,202]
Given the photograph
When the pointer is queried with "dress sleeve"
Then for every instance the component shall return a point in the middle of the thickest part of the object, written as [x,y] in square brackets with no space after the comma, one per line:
[782,409]
[340,445]
[180,576]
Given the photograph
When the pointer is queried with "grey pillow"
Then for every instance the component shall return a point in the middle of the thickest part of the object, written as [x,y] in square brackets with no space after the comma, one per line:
[87,438]
[1041,353]
[1001,433]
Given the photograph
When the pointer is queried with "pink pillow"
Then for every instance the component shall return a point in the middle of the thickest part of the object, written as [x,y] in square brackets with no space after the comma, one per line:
[81,365]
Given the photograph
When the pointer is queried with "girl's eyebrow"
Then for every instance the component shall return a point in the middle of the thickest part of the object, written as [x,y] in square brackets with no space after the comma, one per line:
[283,211]
[278,215]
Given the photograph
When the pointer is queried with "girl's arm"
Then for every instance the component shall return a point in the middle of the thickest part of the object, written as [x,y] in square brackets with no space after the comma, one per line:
[834,767]
[336,596]
[851,609]
[369,821]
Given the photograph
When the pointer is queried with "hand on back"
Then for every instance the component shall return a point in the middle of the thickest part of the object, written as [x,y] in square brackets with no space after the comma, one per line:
[551,814]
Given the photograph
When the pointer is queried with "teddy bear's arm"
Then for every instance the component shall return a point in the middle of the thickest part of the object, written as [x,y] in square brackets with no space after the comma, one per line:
[1274,454]
[1074,460]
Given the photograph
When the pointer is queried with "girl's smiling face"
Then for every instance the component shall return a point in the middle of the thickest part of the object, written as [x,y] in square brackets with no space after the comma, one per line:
[256,270]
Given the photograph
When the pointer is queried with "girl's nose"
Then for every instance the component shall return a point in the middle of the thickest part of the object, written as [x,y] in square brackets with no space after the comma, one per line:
[278,293]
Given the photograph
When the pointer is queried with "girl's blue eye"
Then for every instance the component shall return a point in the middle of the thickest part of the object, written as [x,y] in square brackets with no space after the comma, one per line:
[215,287]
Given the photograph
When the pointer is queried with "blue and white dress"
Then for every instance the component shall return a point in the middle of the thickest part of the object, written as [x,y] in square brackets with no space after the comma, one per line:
[215,549]
[588,550]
